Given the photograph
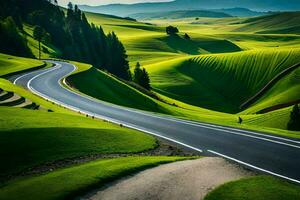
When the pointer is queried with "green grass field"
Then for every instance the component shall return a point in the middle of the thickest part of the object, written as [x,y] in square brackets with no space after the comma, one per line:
[76,180]
[258,187]
[10,64]
[30,138]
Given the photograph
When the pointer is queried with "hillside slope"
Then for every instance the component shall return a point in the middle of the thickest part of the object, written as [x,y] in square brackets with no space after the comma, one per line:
[179,14]
[220,82]
[281,23]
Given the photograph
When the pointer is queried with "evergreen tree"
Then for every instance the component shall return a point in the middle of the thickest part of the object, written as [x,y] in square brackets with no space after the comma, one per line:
[11,41]
[141,77]
[69,32]
[145,80]
[294,123]
[117,57]
[38,34]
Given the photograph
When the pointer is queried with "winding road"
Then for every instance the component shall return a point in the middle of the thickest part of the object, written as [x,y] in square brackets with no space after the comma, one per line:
[269,154]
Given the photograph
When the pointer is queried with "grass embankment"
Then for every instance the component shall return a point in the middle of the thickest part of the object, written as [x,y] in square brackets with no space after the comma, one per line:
[11,64]
[110,89]
[69,182]
[258,188]
[30,138]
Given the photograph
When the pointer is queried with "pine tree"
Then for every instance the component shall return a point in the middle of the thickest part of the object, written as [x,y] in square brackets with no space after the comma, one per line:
[11,41]
[141,77]
[117,57]
[145,80]
[38,34]
[137,74]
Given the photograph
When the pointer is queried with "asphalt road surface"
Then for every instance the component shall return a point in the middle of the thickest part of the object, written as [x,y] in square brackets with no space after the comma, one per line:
[266,153]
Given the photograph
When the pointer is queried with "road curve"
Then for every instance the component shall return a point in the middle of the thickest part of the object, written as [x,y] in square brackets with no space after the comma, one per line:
[270,154]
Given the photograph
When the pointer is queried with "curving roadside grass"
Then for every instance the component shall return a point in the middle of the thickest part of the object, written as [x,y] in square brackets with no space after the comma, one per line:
[30,138]
[11,64]
[258,188]
[70,182]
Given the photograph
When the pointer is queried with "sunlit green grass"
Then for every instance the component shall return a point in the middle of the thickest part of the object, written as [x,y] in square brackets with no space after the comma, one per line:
[220,81]
[73,181]
[29,138]
[258,187]
[10,64]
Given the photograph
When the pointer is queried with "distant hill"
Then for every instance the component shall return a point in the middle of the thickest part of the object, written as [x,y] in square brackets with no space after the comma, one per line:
[280,23]
[129,9]
[179,14]
[240,12]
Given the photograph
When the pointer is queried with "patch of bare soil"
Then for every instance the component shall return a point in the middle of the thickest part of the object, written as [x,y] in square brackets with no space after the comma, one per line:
[185,180]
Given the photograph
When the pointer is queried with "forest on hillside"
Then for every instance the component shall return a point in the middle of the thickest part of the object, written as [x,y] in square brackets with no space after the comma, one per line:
[68,30]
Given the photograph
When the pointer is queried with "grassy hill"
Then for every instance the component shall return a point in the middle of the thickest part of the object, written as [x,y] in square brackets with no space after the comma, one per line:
[179,14]
[221,81]
[10,64]
[30,138]
[281,23]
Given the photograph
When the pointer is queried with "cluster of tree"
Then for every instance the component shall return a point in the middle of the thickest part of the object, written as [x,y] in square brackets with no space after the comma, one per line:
[172,30]
[141,77]
[71,34]
[294,123]
[11,41]
[41,35]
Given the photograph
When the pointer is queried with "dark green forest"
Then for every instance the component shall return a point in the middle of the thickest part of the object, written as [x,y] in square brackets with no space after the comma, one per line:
[67,30]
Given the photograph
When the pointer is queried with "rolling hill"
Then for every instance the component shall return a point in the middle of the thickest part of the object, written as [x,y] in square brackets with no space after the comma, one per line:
[129,9]
[179,14]
[280,23]
[239,76]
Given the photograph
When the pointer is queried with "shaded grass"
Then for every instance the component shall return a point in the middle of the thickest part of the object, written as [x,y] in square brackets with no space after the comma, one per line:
[258,188]
[30,138]
[110,89]
[69,182]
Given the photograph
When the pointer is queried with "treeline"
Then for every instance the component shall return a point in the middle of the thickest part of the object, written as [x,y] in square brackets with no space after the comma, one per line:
[11,41]
[70,33]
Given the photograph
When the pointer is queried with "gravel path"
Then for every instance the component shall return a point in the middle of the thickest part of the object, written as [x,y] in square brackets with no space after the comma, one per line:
[185,180]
